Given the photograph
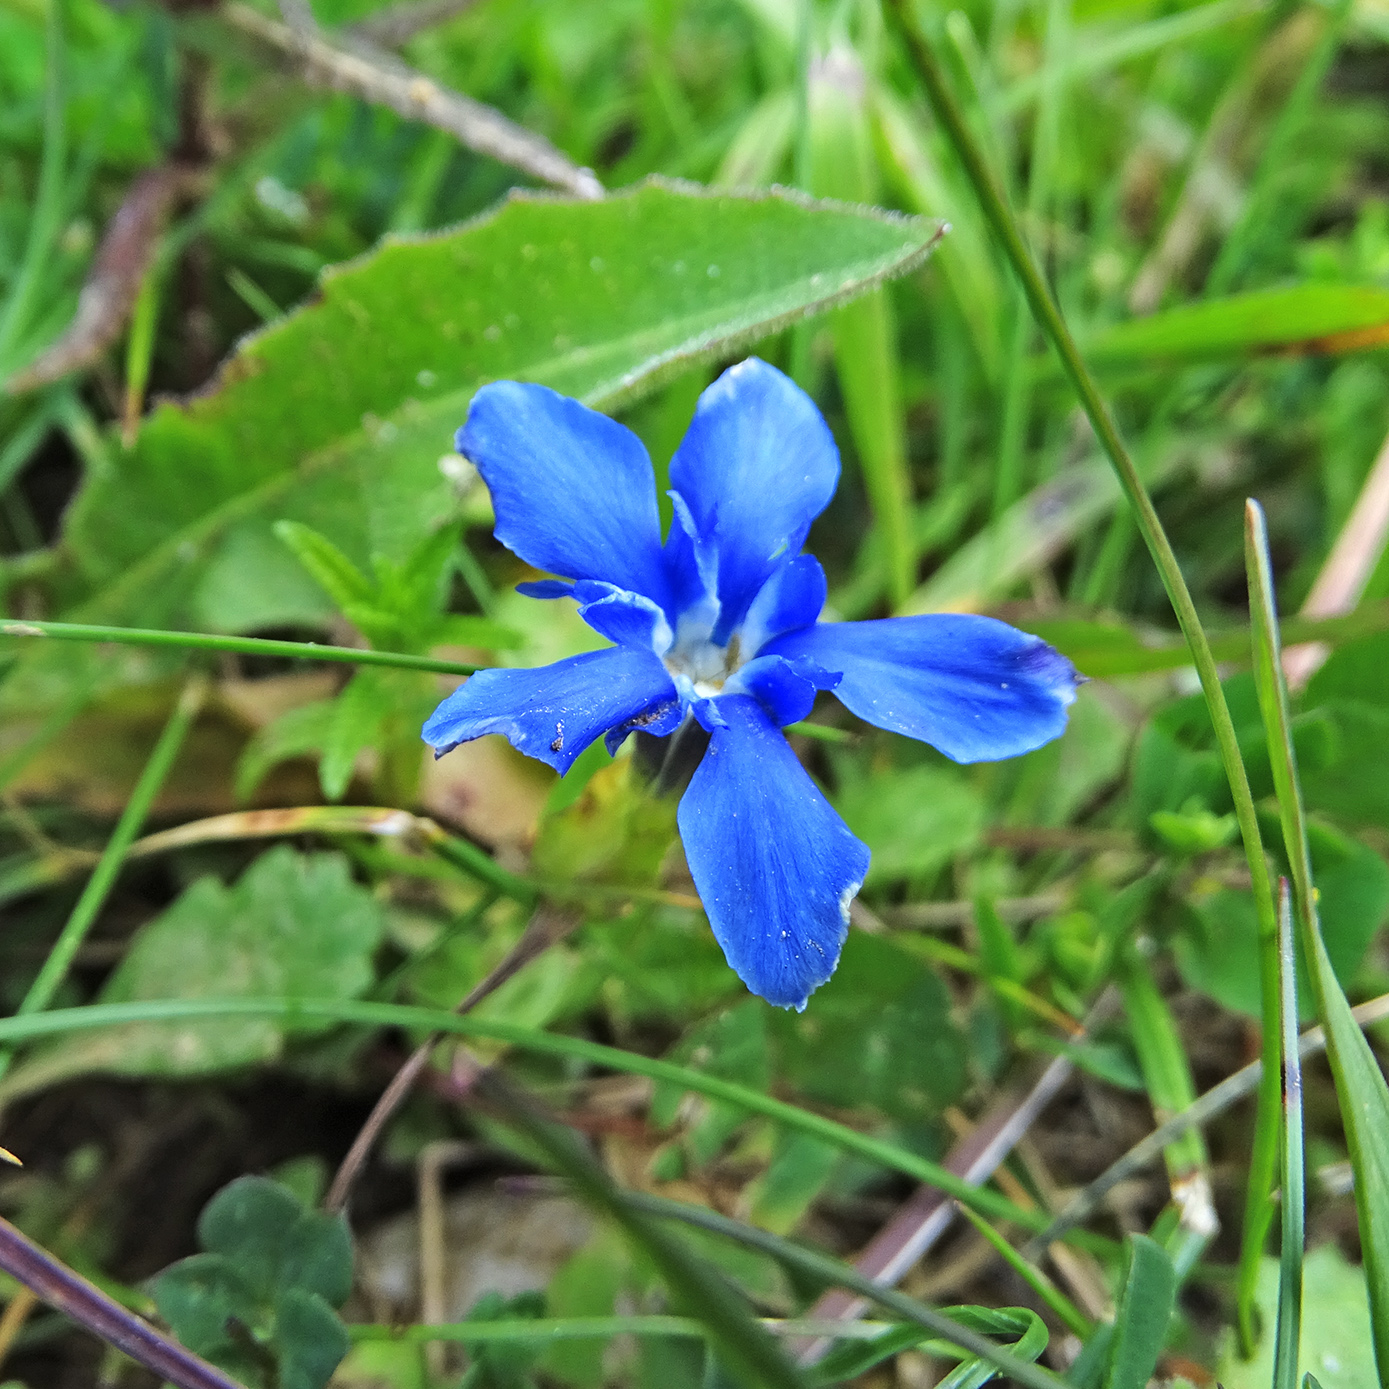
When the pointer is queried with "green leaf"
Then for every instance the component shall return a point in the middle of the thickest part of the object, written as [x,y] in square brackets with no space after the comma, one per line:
[1317,317]
[358,713]
[336,417]
[247,1223]
[907,1060]
[197,1295]
[294,925]
[1144,1311]
[334,573]
[296,733]
[914,820]
[310,1340]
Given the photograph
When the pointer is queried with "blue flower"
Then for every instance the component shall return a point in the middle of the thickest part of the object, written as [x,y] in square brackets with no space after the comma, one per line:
[721,624]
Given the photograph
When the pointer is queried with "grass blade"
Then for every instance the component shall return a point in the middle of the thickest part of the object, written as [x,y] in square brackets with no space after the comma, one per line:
[1289,1330]
[747,1348]
[1005,227]
[1360,1087]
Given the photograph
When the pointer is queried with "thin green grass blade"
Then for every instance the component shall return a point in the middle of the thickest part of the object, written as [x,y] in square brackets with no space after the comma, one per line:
[248,646]
[103,878]
[1289,1333]
[1171,1089]
[991,197]
[46,221]
[747,1349]
[822,1268]
[58,1022]
[1360,1087]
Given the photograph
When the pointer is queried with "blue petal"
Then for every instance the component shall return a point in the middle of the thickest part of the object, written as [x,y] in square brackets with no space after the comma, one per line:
[785,693]
[757,467]
[626,618]
[775,866]
[545,588]
[973,687]
[554,712]
[573,491]
[793,597]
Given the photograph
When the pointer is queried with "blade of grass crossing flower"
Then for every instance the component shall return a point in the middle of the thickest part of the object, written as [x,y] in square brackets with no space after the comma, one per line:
[843,165]
[103,878]
[1288,1334]
[748,1351]
[1140,1327]
[986,187]
[1360,1088]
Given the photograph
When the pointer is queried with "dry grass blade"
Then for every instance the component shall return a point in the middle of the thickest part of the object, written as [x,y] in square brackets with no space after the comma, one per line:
[1342,578]
[384,81]
[397,24]
[547,927]
[126,252]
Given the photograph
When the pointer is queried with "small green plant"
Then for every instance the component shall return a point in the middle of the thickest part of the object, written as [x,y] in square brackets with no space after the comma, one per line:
[261,1298]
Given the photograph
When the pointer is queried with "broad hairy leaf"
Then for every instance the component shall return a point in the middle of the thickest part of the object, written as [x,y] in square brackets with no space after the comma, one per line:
[338,415]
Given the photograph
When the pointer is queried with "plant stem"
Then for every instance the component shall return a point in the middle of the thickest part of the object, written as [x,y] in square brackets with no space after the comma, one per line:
[246,646]
[1265,1154]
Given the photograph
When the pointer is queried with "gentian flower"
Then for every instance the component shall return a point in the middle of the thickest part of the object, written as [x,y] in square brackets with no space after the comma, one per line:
[720,623]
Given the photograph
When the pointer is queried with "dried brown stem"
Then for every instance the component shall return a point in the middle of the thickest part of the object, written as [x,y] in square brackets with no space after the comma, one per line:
[124,257]
[68,1292]
[1342,578]
[924,1218]
[357,67]
[547,927]
[397,24]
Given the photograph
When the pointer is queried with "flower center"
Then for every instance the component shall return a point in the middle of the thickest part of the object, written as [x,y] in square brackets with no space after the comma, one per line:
[704,666]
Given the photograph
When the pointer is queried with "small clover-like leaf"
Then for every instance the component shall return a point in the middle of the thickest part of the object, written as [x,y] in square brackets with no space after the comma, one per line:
[250,1223]
[317,1257]
[199,1297]
[309,1339]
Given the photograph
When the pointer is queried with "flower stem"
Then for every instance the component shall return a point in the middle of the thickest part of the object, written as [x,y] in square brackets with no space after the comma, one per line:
[246,646]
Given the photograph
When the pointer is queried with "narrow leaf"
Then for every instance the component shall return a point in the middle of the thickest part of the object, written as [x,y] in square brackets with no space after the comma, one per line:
[1360,1087]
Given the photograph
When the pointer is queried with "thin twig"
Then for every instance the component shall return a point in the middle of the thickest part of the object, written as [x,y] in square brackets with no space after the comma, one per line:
[547,927]
[380,78]
[72,1295]
[397,24]
[1347,569]
[1215,1101]
[126,252]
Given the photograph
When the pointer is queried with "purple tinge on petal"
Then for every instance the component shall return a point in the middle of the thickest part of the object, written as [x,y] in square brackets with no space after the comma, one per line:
[974,687]
[775,866]
[756,467]
[573,491]
[554,712]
